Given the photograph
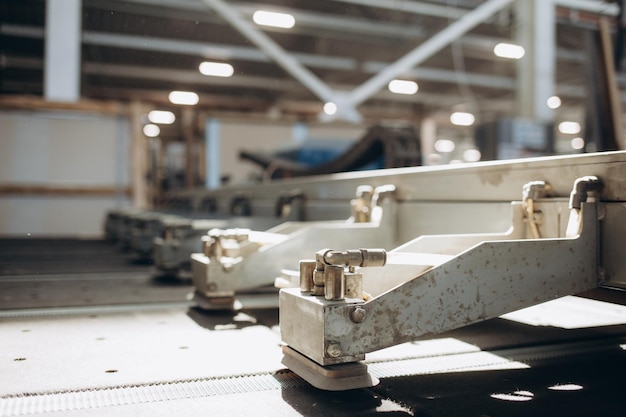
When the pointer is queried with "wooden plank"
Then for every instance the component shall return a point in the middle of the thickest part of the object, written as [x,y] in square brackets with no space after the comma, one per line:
[61,190]
[27,102]
[188,116]
[613,91]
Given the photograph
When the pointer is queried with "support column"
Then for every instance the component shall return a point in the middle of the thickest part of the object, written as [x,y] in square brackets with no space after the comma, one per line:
[62,50]
[189,138]
[139,157]
[428,136]
[536,28]
[212,153]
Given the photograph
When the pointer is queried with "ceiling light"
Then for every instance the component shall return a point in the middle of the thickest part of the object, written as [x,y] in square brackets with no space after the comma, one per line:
[566,387]
[554,102]
[577,143]
[330,108]
[462,119]
[162,117]
[509,50]
[444,145]
[216,69]
[274,19]
[151,131]
[472,155]
[187,98]
[569,128]
[402,87]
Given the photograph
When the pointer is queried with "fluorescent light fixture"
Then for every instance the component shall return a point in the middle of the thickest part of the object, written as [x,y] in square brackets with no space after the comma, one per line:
[330,108]
[460,118]
[472,155]
[151,131]
[566,387]
[274,19]
[402,87]
[577,143]
[187,98]
[216,69]
[509,50]
[516,396]
[569,128]
[444,145]
[554,102]
[162,117]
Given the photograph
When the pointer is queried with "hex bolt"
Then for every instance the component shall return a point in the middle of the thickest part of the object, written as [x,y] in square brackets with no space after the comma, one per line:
[358,314]
[333,350]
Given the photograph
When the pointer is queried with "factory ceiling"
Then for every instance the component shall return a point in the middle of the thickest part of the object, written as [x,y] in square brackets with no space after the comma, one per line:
[143,49]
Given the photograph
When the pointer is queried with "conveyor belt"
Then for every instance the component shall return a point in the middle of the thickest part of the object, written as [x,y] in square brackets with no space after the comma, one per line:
[169,358]
[397,146]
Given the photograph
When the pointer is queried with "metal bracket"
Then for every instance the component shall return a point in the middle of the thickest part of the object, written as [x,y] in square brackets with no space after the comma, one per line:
[219,273]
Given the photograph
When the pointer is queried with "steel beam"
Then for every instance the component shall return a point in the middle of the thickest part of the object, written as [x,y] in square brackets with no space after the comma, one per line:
[426,50]
[62,50]
[415,7]
[272,49]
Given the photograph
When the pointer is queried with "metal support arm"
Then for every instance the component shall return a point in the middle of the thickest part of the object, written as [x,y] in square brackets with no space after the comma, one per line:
[485,281]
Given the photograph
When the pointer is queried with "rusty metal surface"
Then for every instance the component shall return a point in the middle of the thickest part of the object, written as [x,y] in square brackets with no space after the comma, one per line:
[494,181]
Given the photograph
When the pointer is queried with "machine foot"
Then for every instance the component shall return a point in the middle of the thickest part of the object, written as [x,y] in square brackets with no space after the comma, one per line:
[215,303]
[342,377]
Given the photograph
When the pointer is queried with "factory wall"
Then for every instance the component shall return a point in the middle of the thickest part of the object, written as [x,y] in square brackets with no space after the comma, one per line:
[61,171]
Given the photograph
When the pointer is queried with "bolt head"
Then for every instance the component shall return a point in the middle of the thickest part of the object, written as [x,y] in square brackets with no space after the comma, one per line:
[358,315]
[333,350]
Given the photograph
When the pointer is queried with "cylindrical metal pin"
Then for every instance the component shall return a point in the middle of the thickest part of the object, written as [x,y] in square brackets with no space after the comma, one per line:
[374,257]
[306,276]
[334,283]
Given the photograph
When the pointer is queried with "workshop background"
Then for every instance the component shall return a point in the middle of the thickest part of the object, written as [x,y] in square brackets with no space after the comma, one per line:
[79,78]
[169,169]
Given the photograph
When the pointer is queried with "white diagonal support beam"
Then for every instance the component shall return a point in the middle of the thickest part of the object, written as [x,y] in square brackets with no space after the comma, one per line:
[415,7]
[273,50]
[425,50]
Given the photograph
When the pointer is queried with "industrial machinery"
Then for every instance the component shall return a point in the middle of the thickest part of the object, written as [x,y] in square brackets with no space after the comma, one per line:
[90,333]
[554,247]
[179,237]
[239,260]
[172,250]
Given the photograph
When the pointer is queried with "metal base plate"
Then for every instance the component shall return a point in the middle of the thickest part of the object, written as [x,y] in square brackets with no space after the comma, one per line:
[341,377]
[262,298]
[215,303]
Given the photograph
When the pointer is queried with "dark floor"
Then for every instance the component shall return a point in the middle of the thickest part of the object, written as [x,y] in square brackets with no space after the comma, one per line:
[37,273]
[567,372]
